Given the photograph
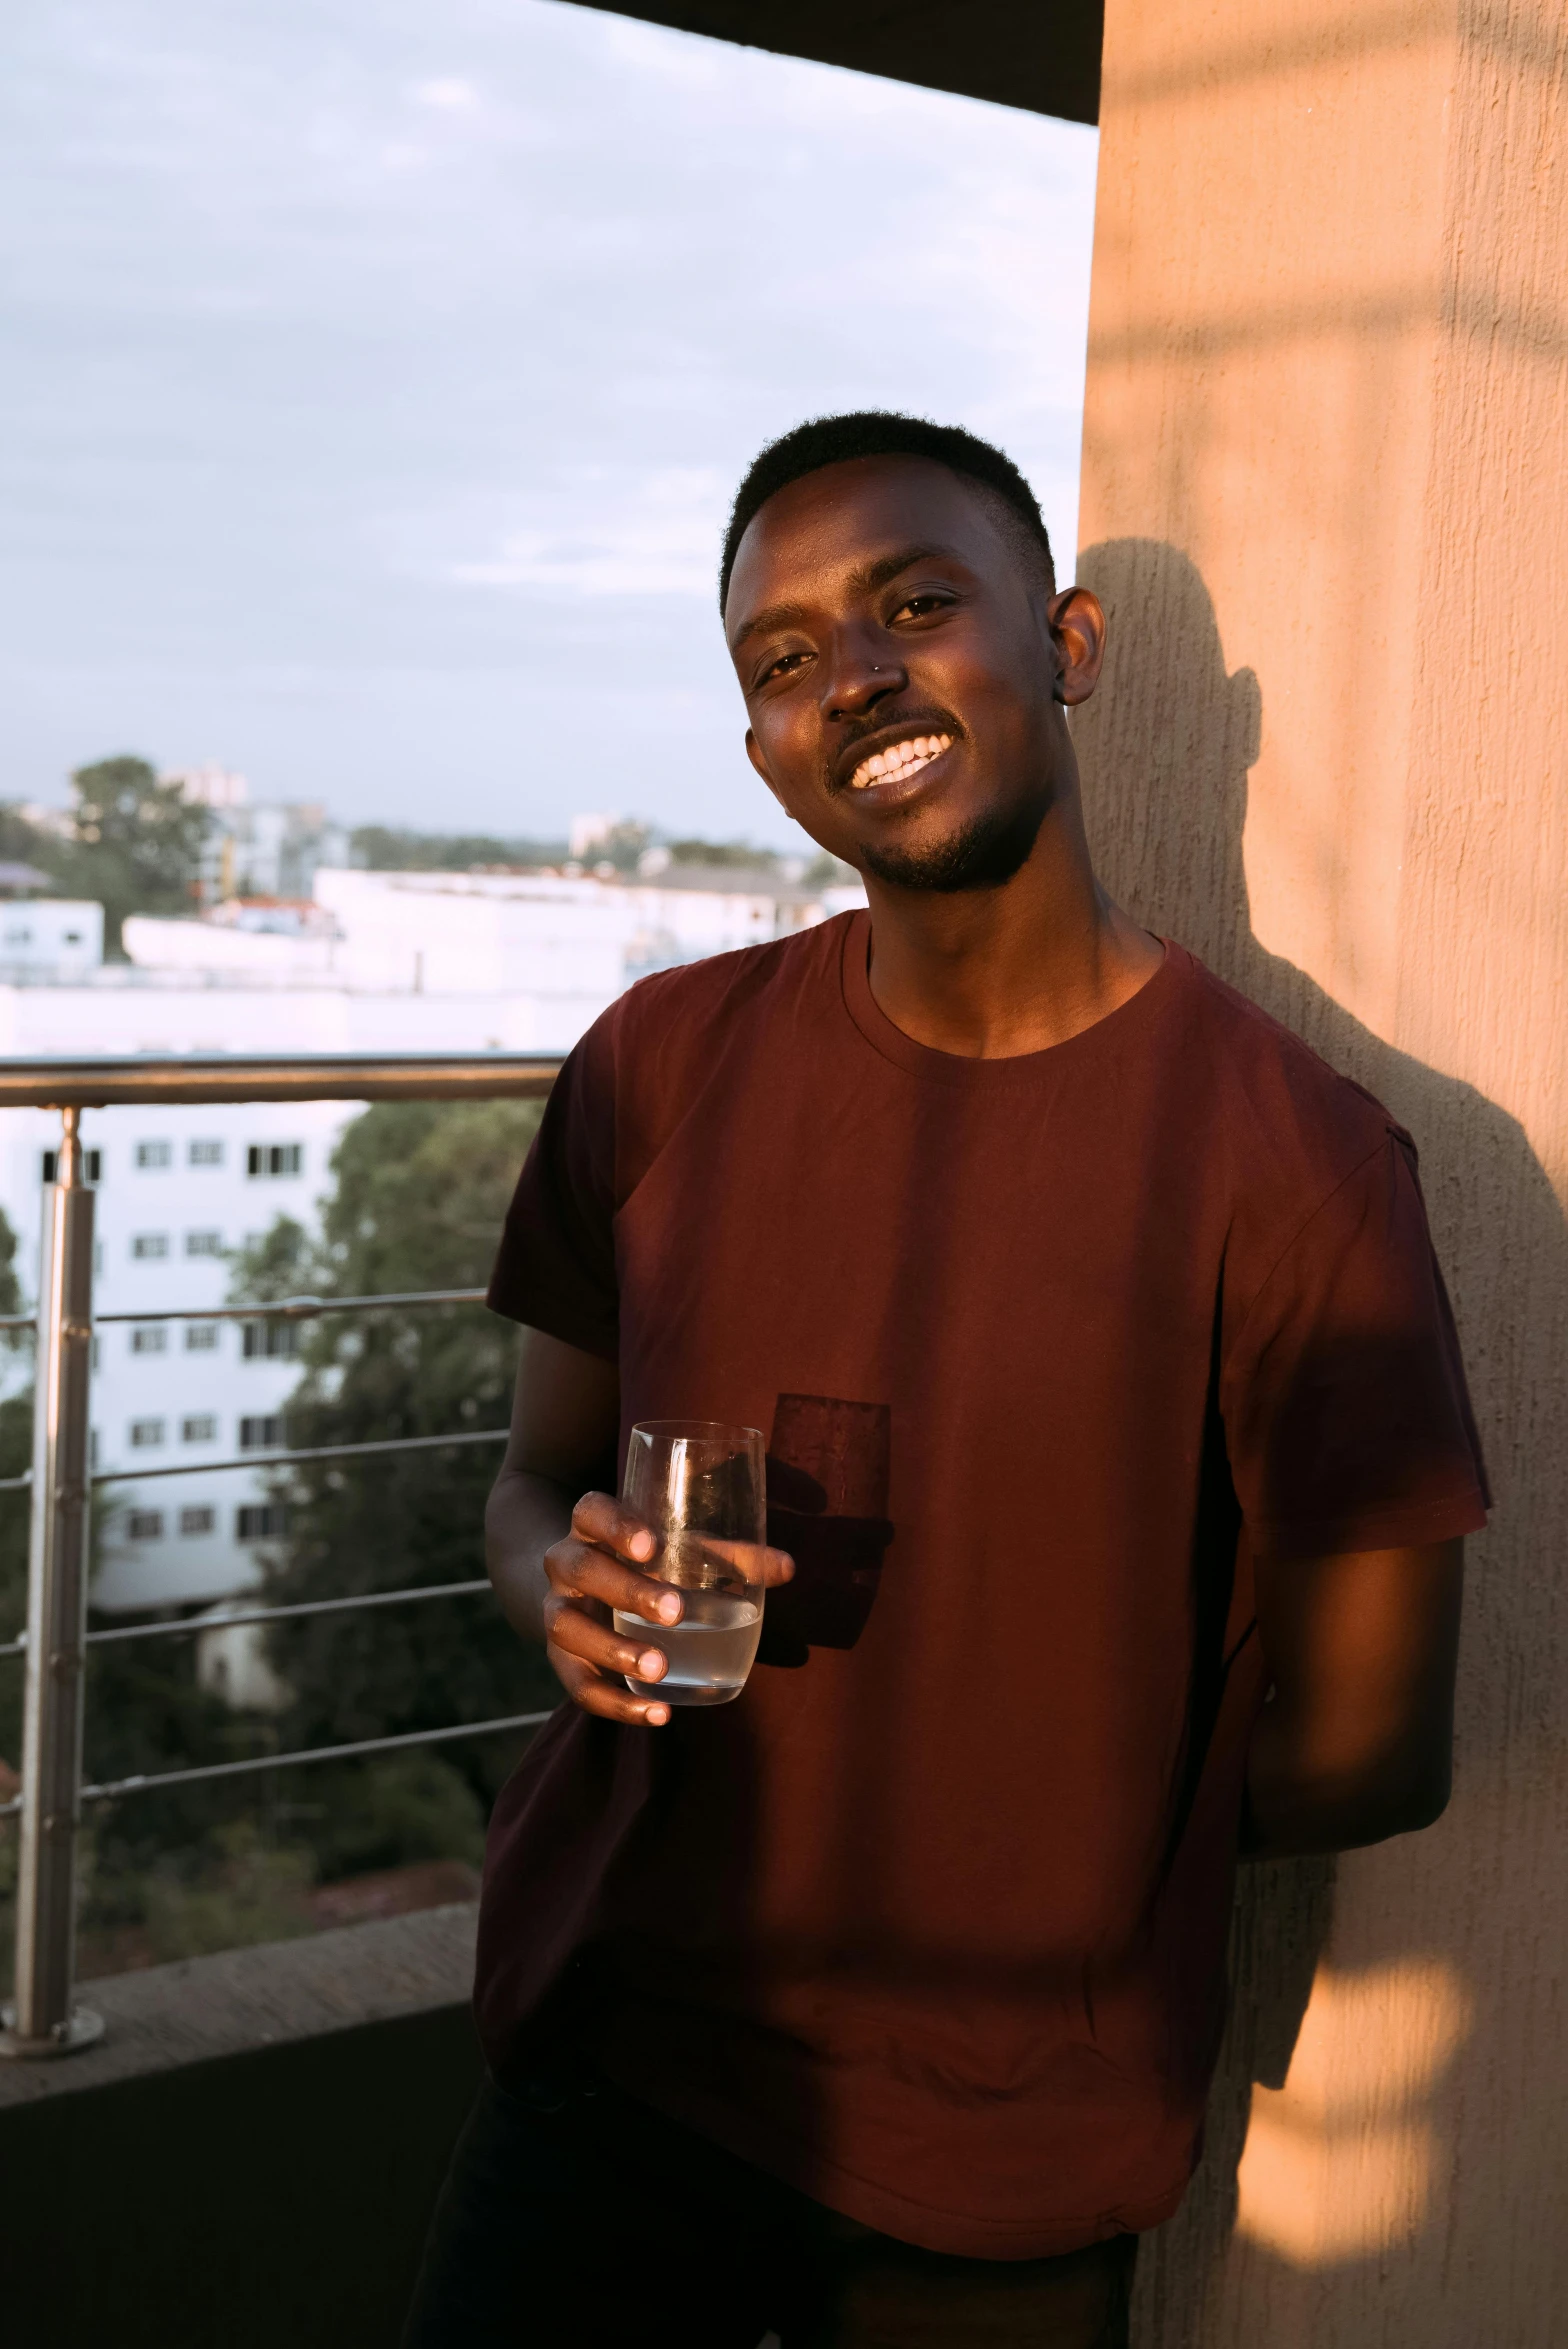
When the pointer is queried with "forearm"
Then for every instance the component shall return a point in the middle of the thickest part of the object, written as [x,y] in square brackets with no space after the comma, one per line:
[1356,1742]
[523,1517]
[1300,1801]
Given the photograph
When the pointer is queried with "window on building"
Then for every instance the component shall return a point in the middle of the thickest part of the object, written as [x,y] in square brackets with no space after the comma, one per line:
[147,1245]
[198,1520]
[260,1521]
[145,1525]
[204,1243]
[146,1434]
[205,1154]
[92,1163]
[152,1340]
[270,1341]
[200,1428]
[274,1158]
[261,1432]
[201,1337]
[154,1154]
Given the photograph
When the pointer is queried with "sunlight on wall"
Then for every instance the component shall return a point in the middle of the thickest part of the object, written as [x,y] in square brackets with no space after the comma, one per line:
[1339,2162]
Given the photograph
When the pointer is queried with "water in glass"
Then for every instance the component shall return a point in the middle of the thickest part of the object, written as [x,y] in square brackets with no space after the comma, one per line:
[700,1487]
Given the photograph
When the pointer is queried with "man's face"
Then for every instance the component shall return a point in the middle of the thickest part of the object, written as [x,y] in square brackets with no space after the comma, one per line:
[895,645]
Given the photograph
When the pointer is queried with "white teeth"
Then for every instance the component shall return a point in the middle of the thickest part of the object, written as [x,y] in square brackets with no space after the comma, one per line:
[900,758]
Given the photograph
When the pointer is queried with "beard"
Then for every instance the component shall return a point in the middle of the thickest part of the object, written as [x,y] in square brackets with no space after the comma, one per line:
[985,853]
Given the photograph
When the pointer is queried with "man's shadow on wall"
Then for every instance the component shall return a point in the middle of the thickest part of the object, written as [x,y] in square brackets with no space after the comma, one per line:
[1166,746]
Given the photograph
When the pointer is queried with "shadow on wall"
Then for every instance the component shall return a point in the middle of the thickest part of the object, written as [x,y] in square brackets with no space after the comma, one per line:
[1423,2078]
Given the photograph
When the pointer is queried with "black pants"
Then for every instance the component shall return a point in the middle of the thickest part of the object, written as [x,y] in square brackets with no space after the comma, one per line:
[591,2222]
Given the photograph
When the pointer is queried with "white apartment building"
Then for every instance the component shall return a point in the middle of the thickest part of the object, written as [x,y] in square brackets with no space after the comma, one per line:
[259,848]
[563,940]
[178,1191]
[49,940]
[382,962]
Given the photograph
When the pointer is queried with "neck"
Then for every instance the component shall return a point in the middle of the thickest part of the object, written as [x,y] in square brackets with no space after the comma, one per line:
[991,973]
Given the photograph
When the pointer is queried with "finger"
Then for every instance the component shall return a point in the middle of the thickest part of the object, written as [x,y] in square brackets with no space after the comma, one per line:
[603,1520]
[607,1699]
[582,1635]
[752,1561]
[577,1571]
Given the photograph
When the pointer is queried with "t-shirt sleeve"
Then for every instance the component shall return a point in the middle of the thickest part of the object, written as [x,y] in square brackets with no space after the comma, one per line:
[555,1268]
[1347,1419]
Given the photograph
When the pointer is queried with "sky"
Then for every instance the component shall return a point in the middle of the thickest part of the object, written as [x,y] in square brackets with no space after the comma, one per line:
[374,379]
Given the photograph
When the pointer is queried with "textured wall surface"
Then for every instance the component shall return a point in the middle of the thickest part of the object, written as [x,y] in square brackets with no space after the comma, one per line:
[1326,499]
[250,2156]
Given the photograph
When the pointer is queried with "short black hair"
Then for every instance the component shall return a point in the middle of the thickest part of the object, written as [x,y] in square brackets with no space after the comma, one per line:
[879,432]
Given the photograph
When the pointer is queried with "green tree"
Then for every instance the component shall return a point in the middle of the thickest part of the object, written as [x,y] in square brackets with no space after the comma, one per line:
[136,843]
[178,1869]
[21,842]
[420,1193]
[828,872]
[16,1446]
[384,849]
[823,871]
[10,1286]
[142,839]
[16,1449]
[168,1873]
[16,1434]
[421,1188]
[737,855]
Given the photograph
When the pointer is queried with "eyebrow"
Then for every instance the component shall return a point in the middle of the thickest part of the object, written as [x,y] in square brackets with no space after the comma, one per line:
[863,581]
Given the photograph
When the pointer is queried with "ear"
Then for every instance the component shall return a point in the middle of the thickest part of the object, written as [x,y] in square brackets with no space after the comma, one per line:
[1076,620]
[754,753]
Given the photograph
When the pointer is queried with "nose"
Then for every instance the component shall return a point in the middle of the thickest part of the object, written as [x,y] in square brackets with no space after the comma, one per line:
[858,675]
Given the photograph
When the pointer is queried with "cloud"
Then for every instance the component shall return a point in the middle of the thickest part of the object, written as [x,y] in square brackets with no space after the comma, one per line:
[451,94]
[661,538]
[417,359]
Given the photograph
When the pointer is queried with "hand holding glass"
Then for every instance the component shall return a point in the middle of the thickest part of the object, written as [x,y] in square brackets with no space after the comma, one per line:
[700,1488]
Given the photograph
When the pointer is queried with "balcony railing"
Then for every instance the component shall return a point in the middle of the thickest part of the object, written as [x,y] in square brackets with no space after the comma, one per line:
[45,2019]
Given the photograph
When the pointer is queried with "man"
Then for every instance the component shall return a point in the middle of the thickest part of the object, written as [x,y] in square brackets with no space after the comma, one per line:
[1119,1440]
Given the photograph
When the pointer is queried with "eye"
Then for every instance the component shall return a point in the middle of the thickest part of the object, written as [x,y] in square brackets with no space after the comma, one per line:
[921,605]
[784,666]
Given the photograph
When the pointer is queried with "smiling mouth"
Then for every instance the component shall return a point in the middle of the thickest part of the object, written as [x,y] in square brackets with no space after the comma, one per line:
[899,760]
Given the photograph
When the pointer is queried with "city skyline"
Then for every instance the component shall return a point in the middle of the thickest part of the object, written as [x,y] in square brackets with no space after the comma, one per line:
[374,392]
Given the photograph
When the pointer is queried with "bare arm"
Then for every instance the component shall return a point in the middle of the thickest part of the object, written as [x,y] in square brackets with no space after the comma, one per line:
[1356,1741]
[550,1543]
[562,1556]
[565,1417]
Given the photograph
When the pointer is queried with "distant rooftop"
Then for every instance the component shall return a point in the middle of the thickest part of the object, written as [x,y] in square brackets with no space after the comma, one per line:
[765,880]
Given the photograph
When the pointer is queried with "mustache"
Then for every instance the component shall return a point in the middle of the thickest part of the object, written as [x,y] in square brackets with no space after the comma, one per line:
[887,726]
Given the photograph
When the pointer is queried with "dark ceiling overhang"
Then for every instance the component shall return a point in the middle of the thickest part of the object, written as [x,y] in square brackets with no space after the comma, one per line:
[1040,54]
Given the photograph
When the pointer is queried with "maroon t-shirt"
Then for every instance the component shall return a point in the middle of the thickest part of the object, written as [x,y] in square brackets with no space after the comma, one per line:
[931,1921]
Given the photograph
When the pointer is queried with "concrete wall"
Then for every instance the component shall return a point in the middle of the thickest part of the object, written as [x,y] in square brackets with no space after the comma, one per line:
[1326,499]
[250,2156]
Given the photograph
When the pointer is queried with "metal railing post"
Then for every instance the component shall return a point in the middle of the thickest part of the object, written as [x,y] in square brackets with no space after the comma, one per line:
[43,2020]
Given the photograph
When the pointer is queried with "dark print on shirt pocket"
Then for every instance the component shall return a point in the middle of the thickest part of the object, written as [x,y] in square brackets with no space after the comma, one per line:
[827,1505]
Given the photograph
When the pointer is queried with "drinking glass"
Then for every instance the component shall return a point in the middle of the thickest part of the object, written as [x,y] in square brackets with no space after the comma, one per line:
[700,1488]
